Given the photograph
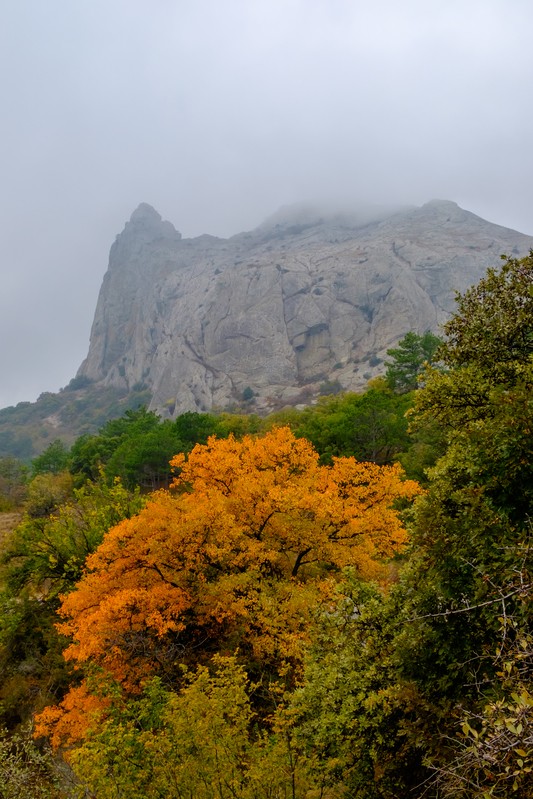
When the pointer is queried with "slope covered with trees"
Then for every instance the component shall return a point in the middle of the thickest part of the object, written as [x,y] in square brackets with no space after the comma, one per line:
[426,690]
[284,621]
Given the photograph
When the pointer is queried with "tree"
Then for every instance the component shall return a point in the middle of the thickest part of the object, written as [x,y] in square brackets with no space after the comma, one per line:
[353,718]
[376,425]
[195,428]
[425,691]
[144,460]
[43,558]
[493,325]
[138,446]
[89,454]
[46,492]
[200,742]
[248,394]
[494,749]
[49,553]
[370,426]
[191,743]
[232,559]
[409,358]
[54,459]
[474,528]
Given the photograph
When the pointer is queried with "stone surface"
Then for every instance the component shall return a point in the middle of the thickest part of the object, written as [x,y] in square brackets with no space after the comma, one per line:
[306,297]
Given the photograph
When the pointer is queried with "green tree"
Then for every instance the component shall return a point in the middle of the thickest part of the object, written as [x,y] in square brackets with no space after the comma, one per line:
[238,424]
[409,359]
[473,530]
[493,751]
[438,672]
[144,460]
[43,558]
[195,428]
[49,554]
[353,717]
[201,742]
[53,460]
[89,454]
[248,394]
[370,426]
[493,326]
[138,446]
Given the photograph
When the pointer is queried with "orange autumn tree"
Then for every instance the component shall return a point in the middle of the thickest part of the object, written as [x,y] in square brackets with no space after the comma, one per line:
[230,559]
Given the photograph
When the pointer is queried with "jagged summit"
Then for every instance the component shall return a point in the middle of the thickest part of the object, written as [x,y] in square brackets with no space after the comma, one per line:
[146,221]
[145,213]
[145,229]
[311,295]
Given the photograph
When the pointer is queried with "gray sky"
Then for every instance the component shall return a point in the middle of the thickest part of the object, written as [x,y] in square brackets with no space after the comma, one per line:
[216,112]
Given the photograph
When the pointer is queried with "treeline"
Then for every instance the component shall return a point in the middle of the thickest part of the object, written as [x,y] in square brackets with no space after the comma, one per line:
[138,446]
[285,611]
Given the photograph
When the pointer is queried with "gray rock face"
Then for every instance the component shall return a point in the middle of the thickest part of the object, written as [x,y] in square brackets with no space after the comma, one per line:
[306,297]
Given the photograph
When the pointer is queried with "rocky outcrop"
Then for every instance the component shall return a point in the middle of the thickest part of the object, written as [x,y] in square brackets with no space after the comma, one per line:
[308,296]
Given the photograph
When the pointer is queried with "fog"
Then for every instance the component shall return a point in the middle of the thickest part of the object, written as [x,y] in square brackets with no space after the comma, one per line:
[217,112]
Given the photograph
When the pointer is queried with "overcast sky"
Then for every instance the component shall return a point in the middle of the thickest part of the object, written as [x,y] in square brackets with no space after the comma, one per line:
[217,112]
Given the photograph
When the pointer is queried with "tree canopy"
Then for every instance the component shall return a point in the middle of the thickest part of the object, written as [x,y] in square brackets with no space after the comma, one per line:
[409,358]
[440,703]
[231,558]
[282,620]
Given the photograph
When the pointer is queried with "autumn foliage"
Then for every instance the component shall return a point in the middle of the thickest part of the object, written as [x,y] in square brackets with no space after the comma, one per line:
[230,559]
[246,636]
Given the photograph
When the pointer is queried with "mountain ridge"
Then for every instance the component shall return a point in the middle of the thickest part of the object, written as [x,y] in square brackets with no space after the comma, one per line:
[309,294]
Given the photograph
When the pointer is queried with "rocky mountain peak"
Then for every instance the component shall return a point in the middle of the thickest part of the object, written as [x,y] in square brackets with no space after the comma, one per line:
[313,296]
[145,214]
[146,221]
[145,229]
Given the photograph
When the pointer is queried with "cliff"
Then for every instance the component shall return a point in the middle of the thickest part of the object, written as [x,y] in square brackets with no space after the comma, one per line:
[306,297]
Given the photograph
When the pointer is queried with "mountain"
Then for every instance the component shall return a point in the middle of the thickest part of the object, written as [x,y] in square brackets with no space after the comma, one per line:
[307,303]
[309,297]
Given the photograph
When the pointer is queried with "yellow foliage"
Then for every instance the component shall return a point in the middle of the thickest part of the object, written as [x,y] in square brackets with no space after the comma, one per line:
[232,558]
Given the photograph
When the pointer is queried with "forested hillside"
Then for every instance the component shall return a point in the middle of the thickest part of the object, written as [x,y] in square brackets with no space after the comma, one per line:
[331,602]
[28,428]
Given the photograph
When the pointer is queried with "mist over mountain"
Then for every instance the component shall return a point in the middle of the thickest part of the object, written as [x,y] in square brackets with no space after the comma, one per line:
[311,296]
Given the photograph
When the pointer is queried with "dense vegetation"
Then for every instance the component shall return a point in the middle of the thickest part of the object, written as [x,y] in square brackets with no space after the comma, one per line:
[284,611]
[81,407]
